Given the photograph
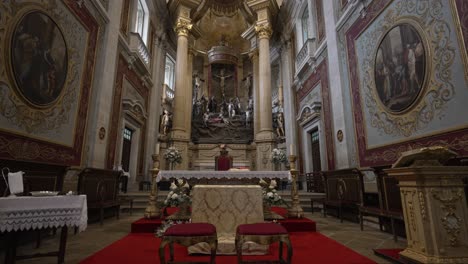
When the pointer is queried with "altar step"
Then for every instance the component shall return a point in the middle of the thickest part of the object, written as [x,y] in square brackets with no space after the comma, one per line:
[140,199]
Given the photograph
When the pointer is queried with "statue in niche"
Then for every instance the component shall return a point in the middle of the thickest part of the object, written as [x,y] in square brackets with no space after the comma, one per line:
[248,83]
[197,89]
[222,78]
[280,125]
[166,122]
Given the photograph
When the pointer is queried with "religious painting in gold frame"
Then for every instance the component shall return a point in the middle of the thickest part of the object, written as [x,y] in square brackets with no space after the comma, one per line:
[400,67]
[39,58]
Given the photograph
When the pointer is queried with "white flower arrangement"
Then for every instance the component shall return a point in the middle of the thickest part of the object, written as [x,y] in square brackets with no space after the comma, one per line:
[180,193]
[270,195]
[278,156]
[172,155]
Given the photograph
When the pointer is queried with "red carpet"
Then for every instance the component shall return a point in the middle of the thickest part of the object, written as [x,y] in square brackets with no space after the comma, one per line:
[391,254]
[292,225]
[309,247]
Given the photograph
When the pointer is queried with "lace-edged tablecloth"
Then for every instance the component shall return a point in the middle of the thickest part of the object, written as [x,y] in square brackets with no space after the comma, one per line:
[167,174]
[23,213]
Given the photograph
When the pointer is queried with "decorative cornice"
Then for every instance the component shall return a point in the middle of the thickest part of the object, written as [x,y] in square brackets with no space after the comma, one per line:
[183,27]
[263,31]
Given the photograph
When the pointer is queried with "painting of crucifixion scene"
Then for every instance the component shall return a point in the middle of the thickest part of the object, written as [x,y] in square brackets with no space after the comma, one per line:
[399,67]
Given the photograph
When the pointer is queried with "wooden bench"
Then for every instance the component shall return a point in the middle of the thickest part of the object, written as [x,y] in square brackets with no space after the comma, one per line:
[315,183]
[343,191]
[389,202]
[101,187]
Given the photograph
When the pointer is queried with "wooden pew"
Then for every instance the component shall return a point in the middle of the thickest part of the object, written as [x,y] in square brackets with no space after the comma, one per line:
[101,188]
[392,207]
[315,182]
[343,191]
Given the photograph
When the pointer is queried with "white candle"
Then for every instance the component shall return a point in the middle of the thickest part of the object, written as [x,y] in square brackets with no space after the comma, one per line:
[156,149]
[291,150]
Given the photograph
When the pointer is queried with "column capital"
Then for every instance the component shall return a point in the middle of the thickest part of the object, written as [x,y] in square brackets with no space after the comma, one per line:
[183,27]
[263,31]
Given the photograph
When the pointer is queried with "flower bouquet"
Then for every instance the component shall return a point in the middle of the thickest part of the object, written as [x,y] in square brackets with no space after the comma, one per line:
[172,155]
[179,196]
[270,197]
[180,193]
[278,156]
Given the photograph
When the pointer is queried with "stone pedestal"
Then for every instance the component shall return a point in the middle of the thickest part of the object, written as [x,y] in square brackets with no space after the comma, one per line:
[434,208]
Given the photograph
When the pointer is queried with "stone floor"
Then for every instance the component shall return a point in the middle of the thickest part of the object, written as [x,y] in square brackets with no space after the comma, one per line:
[96,238]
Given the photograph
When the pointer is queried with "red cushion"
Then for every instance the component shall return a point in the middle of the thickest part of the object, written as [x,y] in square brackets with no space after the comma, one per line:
[261,229]
[191,229]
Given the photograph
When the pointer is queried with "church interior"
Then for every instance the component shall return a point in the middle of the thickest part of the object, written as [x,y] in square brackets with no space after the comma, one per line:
[234,131]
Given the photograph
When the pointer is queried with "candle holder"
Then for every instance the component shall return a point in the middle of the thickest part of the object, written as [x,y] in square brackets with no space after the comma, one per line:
[152,210]
[295,211]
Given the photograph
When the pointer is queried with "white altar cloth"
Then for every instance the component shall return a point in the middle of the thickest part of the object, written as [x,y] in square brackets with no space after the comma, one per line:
[226,207]
[178,174]
[26,212]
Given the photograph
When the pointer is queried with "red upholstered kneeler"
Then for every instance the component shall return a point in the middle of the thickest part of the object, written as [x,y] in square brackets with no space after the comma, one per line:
[264,234]
[187,235]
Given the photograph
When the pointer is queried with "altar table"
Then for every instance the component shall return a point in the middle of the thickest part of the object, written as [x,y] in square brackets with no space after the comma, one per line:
[31,213]
[225,175]
[226,207]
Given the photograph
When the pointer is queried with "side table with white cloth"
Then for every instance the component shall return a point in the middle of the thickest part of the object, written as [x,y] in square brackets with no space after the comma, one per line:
[32,213]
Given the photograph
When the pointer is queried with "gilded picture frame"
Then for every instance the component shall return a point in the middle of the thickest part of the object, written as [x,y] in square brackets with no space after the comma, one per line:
[38,58]
[400,67]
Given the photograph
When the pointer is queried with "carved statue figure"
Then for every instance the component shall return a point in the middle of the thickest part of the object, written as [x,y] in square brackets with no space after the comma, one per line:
[166,122]
[222,78]
[212,105]
[280,125]
[206,118]
[248,83]
[250,105]
[237,104]
[248,117]
[197,89]
[231,109]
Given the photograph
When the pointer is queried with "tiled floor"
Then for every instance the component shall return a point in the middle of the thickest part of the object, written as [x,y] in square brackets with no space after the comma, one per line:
[96,237]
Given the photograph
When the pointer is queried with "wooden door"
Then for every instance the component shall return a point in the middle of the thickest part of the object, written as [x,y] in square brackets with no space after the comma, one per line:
[315,143]
[126,148]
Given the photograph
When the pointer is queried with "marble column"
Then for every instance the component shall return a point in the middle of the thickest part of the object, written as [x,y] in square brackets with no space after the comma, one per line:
[340,99]
[256,114]
[179,135]
[103,89]
[264,138]
[152,133]
[289,107]
[264,78]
